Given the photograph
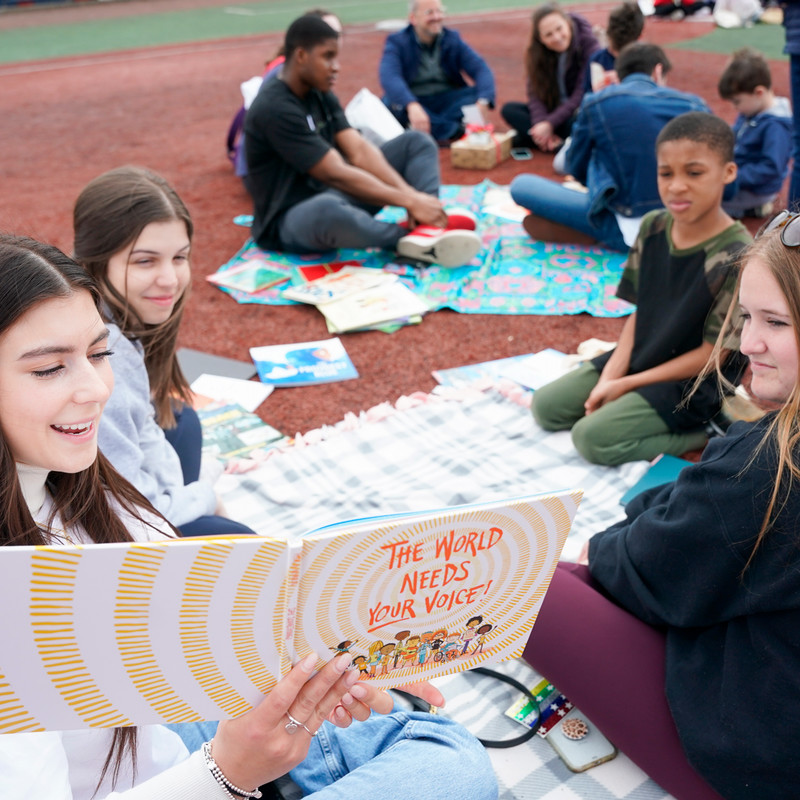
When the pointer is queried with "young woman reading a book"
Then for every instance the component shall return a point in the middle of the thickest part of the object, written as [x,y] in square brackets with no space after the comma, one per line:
[55,378]
[681,638]
[133,235]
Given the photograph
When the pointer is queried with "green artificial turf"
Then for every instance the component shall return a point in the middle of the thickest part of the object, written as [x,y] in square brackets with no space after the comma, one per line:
[769,39]
[194,25]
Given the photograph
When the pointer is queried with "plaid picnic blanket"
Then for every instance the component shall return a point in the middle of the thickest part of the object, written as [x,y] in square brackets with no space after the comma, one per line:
[460,445]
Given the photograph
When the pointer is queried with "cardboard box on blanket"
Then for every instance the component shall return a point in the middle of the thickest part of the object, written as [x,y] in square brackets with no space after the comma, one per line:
[481,150]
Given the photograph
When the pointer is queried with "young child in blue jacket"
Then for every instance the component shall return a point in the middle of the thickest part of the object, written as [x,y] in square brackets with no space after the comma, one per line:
[763,131]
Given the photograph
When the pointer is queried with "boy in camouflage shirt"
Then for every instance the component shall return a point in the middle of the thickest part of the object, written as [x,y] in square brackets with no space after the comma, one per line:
[630,404]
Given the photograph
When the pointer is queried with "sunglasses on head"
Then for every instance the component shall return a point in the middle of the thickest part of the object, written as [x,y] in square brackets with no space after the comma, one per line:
[789,225]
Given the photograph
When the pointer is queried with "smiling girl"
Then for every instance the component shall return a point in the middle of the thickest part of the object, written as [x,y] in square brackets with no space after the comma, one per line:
[689,609]
[133,235]
[556,62]
[55,487]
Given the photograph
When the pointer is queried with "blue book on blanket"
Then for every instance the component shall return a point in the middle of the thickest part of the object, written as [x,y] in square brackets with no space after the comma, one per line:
[663,470]
[303,364]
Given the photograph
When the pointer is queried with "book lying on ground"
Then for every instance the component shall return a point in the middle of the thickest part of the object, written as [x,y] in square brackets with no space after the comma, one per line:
[200,628]
[303,364]
[251,276]
[229,431]
[664,469]
[531,370]
[310,272]
[538,369]
[384,327]
[372,307]
[248,394]
[338,285]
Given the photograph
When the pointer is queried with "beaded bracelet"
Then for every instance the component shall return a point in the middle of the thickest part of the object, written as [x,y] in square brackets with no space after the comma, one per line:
[229,788]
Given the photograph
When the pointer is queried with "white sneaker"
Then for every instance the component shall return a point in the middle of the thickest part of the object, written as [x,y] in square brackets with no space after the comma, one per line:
[452,248]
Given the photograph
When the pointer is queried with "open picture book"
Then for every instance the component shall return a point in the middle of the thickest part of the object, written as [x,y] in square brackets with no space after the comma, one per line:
[200,628]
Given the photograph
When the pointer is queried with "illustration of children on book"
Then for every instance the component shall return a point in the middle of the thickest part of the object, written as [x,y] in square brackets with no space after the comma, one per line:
[483,630]
[424,649]
[360,663]
[387,651]
[374,656]
[470,632]
[300,360]
[412,649]
[398,651]
[449,650]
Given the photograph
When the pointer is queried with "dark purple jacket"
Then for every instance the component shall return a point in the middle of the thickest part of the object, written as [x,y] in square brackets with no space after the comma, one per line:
[583,44]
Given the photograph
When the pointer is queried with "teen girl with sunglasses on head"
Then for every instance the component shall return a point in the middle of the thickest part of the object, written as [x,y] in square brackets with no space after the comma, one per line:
[681,638]
[55,487]
[133,234]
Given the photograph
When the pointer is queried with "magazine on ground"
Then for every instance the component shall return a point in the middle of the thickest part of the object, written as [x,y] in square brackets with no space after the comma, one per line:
[303,364]
[200,628]
[230,431]
[531,370]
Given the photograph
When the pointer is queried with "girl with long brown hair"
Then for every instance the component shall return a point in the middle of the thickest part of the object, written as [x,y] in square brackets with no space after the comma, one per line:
[133,235]
[55,487]
[556,62]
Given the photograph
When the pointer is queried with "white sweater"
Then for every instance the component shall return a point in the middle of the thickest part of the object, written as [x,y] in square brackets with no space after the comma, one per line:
[132,441]
[65,765]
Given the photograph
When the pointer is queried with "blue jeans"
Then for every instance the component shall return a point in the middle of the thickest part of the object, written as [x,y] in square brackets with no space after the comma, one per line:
[186,439]
[444,111]
[331,219]
[550,200]
[406,754]
[794,184]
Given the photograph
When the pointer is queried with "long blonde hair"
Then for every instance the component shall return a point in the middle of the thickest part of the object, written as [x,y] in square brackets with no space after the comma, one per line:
[110,214]
[783,430]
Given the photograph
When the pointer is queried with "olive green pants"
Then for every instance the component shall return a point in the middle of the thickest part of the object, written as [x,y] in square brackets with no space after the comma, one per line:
[626,429]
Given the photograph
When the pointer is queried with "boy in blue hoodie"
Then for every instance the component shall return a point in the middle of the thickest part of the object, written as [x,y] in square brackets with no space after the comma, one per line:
[763,132]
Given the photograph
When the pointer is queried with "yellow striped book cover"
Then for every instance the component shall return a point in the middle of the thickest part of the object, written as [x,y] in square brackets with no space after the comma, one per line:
[201,628]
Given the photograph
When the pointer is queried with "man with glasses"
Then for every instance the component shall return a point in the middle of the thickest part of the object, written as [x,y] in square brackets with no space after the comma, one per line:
[423,71]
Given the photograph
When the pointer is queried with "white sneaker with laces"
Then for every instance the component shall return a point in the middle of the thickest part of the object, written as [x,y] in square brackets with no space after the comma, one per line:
[451,248]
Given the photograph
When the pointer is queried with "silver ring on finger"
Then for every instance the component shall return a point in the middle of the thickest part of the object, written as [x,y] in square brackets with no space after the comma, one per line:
[293,724]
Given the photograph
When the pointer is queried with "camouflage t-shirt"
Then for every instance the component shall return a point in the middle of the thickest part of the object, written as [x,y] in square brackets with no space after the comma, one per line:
[681,297]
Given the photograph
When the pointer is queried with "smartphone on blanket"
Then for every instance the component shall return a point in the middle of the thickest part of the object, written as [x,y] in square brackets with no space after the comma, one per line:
[579,743]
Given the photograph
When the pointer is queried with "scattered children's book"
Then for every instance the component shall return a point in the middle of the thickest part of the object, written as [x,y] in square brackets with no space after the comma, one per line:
[531,370]
[229,431]
[248,394]
[251,276]
[538,369]
[663,469]
[384,327]
[338,285]
[303,364]
[200,628]
[378,305]
[311,272]
[470,373]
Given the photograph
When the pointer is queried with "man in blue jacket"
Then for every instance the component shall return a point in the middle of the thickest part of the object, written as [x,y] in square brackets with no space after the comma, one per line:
[613,154]
[422,74]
